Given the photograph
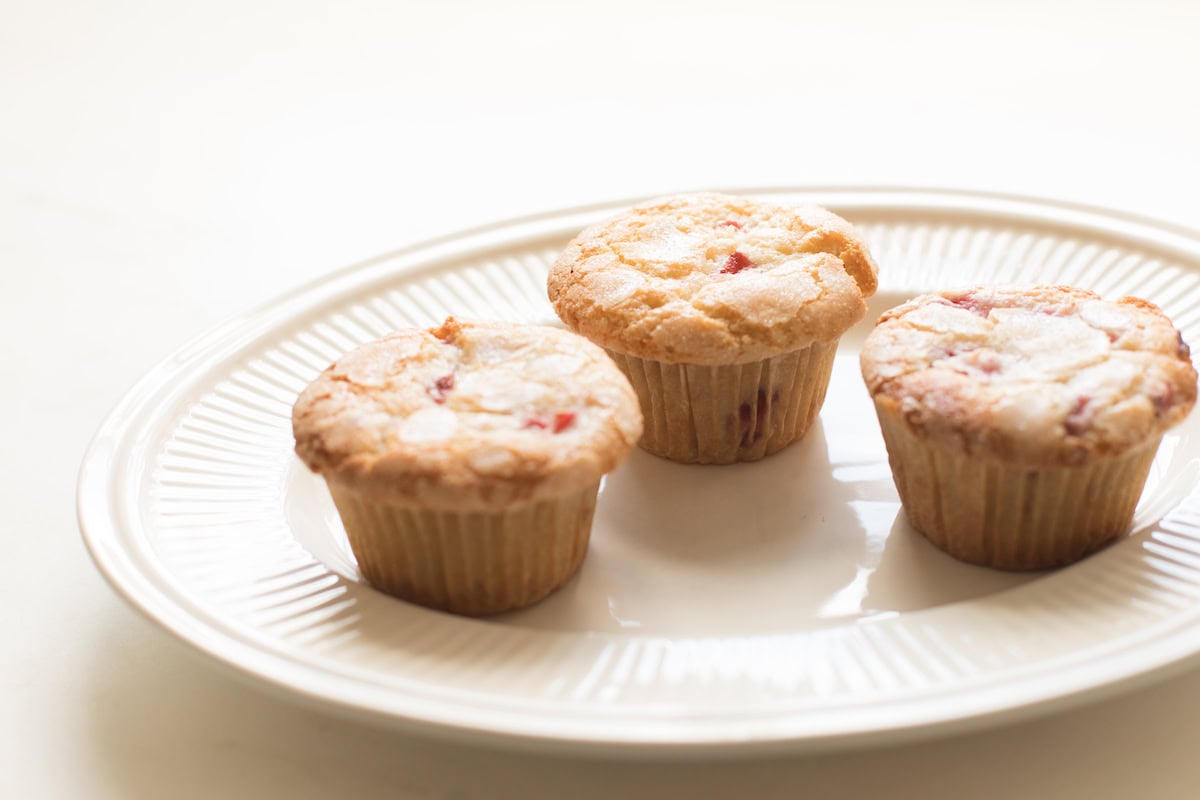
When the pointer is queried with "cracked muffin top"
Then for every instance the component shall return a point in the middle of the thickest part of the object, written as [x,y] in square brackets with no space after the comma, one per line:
[713,279]
[467,416]
[1047,375]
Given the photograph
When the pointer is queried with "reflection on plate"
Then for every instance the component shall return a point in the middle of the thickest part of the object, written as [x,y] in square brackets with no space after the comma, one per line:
[780,605]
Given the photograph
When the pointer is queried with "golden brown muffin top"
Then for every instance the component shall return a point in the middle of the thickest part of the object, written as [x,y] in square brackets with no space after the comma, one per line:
[1047,375]
[713,279]
[467,416]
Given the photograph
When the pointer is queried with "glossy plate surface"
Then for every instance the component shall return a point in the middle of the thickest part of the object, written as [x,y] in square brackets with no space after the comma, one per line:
[778,606]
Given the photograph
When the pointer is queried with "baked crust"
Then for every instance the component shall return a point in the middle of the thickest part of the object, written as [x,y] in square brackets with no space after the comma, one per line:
[1040,376]
[713,279]
[467,416]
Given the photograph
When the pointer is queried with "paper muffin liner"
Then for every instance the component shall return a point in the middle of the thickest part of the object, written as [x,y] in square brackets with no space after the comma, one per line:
[471,562]
[1012,517]
[738,412]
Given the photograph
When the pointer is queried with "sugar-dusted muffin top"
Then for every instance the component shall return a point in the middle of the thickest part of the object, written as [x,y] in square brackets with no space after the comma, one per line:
[467,416]
[713,279]
[1048,375]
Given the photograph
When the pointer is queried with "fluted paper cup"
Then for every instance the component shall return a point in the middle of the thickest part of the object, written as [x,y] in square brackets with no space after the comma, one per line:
[739,412]
[1007,516]
[472,563]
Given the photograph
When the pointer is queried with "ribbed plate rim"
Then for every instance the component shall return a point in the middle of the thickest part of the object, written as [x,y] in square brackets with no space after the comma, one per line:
[101,525]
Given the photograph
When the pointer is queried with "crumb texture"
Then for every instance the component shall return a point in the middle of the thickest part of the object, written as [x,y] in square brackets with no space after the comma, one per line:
[1048,375]
[713,279]
[467,416]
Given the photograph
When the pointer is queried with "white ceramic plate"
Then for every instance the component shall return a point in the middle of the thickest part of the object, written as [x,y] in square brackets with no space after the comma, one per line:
[782,605]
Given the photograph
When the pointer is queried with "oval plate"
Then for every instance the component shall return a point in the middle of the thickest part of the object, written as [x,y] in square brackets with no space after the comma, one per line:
[778,606]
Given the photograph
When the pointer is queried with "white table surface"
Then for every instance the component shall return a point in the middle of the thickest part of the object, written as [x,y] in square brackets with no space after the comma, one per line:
[165,166]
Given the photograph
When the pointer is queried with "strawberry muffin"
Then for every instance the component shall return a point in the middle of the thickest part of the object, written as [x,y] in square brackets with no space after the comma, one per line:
[1021,423]
[465,460]
[724,313]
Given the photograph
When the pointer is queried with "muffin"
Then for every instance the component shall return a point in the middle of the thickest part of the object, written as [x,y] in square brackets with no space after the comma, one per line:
[465,460]
[723,312]
[1020,424]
